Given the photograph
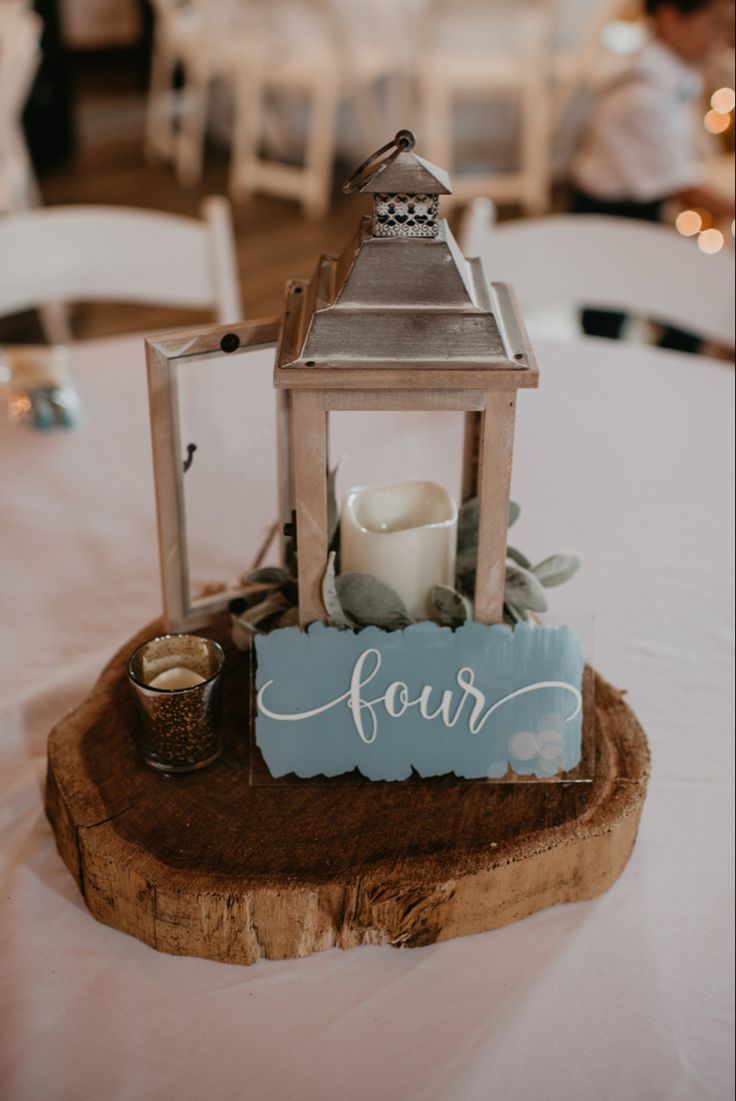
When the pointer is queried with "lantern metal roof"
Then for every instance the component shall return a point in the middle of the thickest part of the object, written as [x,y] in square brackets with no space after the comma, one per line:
[409,174]
[401,297]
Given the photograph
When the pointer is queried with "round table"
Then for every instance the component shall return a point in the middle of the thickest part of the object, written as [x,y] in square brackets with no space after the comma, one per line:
[626,455]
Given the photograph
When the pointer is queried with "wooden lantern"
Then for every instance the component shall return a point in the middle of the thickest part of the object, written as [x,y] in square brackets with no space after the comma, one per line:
[401,320]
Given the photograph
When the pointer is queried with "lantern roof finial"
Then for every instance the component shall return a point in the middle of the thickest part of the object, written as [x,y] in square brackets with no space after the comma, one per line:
[396,169]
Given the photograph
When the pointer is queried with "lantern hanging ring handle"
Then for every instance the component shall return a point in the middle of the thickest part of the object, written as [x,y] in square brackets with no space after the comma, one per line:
[369,169]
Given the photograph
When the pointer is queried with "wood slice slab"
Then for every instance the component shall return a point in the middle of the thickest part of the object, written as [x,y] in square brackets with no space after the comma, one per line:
[211,865]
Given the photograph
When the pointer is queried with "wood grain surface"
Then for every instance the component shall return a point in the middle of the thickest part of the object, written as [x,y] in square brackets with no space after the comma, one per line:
[214,865]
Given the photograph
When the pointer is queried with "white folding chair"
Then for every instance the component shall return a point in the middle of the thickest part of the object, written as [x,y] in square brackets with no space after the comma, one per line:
[481,53]
[301,52]
[206,40]
[106,253]
[635,267]
[20,33]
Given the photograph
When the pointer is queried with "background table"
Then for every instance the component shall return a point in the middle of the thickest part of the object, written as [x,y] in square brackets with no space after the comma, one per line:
[625,455]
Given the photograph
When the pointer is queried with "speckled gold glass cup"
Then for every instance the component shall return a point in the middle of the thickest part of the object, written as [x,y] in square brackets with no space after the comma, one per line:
[180,727]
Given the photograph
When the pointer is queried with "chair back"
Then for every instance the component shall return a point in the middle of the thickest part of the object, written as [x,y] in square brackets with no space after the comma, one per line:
[606,263]
[299,28]
[20,55]
[469,28]
[108,253]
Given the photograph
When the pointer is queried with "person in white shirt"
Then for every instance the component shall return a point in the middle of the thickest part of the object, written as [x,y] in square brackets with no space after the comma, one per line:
[637,152]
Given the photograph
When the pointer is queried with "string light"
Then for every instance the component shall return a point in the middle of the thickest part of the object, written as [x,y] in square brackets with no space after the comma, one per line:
[688,223]
[710,241]
[716,123]
[723,101]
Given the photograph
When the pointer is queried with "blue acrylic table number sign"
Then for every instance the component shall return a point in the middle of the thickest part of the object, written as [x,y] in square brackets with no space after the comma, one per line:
[479,702]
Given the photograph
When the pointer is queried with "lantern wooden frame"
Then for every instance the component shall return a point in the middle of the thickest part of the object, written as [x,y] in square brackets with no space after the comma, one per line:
[486,396]
[401,320]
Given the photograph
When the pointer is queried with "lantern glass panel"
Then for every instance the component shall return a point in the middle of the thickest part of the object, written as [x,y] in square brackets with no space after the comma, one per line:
[376,448]
[230,486]
[215,490]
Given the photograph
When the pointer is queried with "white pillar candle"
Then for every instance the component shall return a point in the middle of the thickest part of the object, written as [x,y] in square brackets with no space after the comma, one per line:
[404,534]
[174,679]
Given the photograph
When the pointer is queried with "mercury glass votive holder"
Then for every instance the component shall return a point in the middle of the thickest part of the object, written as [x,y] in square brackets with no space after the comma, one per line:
[176,681]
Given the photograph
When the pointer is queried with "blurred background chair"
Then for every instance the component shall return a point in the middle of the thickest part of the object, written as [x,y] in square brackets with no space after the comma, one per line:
[20,34]
[104,253]
[294,93]
[176,25]
[580,59]
[195,42]
[496,55]
[305,59]
[639,268]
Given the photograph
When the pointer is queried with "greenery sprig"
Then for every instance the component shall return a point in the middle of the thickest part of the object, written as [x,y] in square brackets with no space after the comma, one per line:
[354,600]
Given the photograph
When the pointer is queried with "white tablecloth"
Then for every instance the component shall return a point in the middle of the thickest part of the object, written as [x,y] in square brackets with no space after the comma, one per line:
[625,454]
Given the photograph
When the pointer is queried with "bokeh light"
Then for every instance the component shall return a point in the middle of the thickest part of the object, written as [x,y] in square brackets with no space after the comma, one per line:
[716,123]
[723,101]
[19,406]
[710,241]
[688,223]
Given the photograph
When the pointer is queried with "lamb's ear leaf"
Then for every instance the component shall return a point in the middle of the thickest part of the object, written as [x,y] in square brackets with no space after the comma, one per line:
[333,607]
[523,590]
[467,527]
[465,574]
[467,523]
[516,556]
[514,615]
[269,575]
[449,607]
[371,602]
[557,569]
